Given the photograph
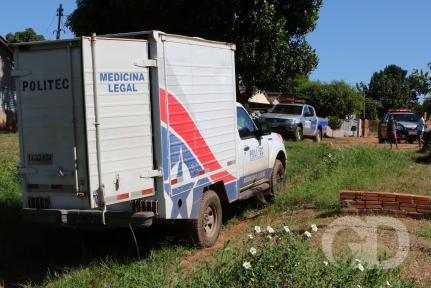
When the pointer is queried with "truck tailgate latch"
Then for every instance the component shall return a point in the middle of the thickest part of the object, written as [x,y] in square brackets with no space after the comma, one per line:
[147,63]
[151,174]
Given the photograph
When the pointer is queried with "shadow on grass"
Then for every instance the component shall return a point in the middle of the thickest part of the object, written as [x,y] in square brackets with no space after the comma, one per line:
[29,251]
[424,159]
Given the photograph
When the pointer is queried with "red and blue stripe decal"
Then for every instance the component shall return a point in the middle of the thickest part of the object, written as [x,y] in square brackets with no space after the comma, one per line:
[187,147]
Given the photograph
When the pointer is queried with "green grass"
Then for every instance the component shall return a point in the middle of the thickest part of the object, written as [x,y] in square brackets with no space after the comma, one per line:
[44,256]
[316,173]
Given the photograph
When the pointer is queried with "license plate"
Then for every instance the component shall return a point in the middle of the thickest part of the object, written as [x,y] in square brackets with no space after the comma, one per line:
[273,125]
[413,133]
[39,159]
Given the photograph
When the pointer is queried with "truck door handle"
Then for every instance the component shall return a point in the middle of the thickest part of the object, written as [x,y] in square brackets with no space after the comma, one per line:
[246,148]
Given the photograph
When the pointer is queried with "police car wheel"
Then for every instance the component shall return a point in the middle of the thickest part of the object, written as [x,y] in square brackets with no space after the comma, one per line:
[318,136]
[206,228]
[298,134]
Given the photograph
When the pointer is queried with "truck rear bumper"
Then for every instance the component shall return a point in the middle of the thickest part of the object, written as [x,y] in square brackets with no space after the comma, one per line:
[85,218]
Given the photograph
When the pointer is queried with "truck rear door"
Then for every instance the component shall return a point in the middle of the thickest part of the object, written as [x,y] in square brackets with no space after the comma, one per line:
[48,88]
[123,105]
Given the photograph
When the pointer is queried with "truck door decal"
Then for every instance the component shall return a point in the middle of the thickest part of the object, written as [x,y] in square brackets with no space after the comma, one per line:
[182,123]
[189,151]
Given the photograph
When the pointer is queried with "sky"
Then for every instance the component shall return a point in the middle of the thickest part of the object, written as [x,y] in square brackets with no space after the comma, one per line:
[353,38]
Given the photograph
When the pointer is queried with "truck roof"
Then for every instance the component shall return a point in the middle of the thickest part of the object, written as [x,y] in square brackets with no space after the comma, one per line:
[138,34]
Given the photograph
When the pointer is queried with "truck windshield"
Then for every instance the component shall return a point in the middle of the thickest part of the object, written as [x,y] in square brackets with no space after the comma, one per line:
[288,109]
[406,117]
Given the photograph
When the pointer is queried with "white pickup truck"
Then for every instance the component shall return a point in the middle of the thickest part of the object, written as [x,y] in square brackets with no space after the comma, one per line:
[125,129]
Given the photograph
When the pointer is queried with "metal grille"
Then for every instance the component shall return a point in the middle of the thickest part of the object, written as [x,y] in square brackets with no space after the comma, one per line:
[142,205]
[38,203]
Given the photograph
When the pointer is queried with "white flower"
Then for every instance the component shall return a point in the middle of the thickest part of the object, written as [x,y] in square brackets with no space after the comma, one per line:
[307,234]
[286,228]
[253,251]
[314,228]
[269,237]
[388,284]
[250,236]
[270,229]
[246,265]
[257,229]
[360,267]
[357,260]
[326,263]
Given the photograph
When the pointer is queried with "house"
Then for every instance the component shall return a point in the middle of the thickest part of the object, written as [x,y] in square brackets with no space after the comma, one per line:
[7,88]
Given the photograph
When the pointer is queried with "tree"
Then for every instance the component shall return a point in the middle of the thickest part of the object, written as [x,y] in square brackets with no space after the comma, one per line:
[336,98]
[422,80]
[27,35]
[392,88]
[269,34]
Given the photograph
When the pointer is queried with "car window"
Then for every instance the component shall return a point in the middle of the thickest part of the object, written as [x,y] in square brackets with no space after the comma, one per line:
[311,109]
[287,109]
[245,125]
[306,111]
[408,117]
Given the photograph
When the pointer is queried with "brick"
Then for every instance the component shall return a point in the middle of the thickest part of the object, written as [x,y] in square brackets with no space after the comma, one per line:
[405,200]
[421,201]
[424,207]
[389,203]
[424,211]
[415,215]
[408,205]
[408,209]
[391,207]
[373,206]
[373,202]
[388,199]
[347,196]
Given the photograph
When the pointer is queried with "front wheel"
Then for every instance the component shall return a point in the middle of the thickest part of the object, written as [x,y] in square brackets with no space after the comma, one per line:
[318,137]
[298,134]
[278,180]
[206,228]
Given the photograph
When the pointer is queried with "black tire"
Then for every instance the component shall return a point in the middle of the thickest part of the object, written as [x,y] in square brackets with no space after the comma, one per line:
[298,135]
[318,137]
[381,141]
[206,229]
[278,181]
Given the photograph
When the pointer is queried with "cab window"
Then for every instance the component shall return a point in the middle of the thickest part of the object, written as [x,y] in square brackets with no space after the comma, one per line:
[246,127]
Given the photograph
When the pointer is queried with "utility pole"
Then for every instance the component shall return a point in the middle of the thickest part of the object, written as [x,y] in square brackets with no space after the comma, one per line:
[59,15]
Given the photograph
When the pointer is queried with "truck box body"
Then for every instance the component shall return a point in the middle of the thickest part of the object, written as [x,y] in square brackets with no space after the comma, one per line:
[139,122]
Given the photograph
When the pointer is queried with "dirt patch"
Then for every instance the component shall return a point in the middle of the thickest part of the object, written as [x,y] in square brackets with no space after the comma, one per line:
[371,141]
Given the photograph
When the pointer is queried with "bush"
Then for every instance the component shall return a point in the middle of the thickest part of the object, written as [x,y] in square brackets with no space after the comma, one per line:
[334,122]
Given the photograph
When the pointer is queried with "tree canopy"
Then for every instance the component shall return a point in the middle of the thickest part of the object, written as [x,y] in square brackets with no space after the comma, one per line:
[391,88]
[269,34]
[27,35]
[330,99]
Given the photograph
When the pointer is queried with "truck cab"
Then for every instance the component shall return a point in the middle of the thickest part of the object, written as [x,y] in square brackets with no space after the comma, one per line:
[296,119]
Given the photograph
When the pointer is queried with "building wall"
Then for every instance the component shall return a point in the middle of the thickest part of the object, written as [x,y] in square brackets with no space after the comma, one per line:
[7,90]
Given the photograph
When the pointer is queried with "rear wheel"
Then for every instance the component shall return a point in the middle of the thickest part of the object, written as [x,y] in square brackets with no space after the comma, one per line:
[318,137]
[298,134]
[278,180]
[206,228]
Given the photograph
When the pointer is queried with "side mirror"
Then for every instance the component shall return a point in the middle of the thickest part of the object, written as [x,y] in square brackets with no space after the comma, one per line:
[263,128]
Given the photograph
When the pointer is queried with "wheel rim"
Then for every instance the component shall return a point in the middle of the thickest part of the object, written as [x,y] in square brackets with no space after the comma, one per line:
[280,181]
[210,221]
[298,134]
[318,136]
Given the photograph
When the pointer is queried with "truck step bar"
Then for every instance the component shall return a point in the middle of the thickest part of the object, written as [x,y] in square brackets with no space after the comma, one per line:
[247,194]
[88,217]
